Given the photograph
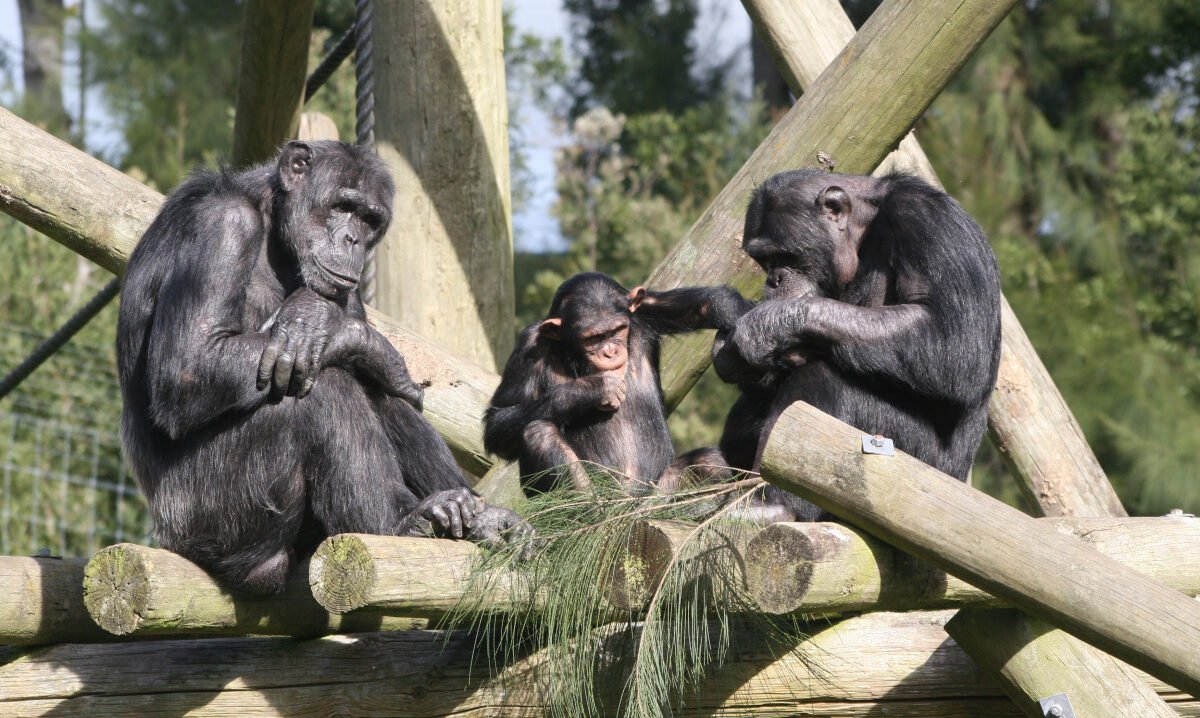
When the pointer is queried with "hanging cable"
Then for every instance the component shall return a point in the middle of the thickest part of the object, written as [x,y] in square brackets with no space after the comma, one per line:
[364,110]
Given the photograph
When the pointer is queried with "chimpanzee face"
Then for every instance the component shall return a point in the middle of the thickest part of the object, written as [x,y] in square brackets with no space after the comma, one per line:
[337,206]
[591,315]
[797,230]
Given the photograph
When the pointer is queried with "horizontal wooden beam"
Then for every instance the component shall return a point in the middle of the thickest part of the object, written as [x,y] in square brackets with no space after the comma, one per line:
[101,213]
[132,590]
[41,602]
[999,549]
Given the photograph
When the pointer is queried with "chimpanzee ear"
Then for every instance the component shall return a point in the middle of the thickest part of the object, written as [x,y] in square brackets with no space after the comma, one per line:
[294,162]
[636,295]
[549,328]
[835,203]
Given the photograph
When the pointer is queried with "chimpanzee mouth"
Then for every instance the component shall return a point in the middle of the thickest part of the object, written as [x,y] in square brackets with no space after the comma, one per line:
[341,281]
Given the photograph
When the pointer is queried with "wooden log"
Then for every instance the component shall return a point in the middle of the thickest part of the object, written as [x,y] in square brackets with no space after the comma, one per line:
[654,546]
[41,602]
[1031,423]
[850,118]
[398,574]
[901,665]
[101,213]
[501,485]
[441,117]
[1038,661]
[316,126]
[271,75]
[137,590]
[821,568]
[987,543]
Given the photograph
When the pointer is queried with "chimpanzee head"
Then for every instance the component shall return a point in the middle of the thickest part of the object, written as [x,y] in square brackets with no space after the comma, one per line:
[804,227]
[590,315]
[334,203]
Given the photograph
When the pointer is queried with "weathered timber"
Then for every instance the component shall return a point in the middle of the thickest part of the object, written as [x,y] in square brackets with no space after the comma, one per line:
[100,213]
[965,532]
[1029,419]
[446,267]
[901,665]
[137,590]
[1037,661]
[316,126]
[501,485]
[271,75]
[654,546]
[849,119]
[820,568]
[41,602]
[398,574]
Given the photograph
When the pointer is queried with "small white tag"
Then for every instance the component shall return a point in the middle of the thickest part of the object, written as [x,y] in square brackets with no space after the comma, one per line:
[878,444]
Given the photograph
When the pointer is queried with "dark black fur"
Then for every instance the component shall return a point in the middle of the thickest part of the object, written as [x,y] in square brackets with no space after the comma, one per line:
[555,406]
[882,308]
[259,406]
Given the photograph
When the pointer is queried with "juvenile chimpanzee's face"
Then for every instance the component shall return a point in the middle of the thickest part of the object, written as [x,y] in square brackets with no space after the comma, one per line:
[798,230]
[591,314]
[337,207]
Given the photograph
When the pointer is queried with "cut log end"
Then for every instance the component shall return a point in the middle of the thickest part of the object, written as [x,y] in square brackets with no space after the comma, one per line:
[779,567]
[639,569]
[342,573]
[116,588]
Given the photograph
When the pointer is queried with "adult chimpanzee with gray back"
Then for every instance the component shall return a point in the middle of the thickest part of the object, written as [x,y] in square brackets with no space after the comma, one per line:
[260,408]
[583,385]
[881,307]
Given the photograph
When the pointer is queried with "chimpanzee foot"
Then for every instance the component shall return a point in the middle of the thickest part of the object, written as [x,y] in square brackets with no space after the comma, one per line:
[495,527]
[444,514]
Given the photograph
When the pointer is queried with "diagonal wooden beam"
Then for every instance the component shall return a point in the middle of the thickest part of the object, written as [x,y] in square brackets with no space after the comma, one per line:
[100,212]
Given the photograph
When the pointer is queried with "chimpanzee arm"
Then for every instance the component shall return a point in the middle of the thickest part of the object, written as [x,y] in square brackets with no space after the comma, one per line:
[200,360]
[527,393]
[690,308]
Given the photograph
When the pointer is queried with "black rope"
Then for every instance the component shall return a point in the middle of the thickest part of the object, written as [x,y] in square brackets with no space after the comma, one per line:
[330,64]
[47,348]
[358,38]
[364,110]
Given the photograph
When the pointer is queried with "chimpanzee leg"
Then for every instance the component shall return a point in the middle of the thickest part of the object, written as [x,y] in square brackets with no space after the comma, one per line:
[546,456]
[355,482]
[701,467]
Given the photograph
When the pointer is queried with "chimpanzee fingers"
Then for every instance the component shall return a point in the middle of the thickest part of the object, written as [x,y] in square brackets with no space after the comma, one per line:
[438,515]
[310,378]
[266,365]
[301,369]
[466,503]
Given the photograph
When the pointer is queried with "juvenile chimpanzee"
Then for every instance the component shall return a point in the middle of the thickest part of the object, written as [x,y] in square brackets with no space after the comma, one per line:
[583,384]
[259,405]
[881,307]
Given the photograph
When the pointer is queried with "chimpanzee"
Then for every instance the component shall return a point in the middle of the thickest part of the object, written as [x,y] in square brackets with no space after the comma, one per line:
[583,384]
[881,307]
[261,411]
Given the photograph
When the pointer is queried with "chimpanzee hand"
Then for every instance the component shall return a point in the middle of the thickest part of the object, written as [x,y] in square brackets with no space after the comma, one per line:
[365,351]
[494,527]
[391,373]
[444,514]
[729,364]
[606,389]
[767,336]
[300,332]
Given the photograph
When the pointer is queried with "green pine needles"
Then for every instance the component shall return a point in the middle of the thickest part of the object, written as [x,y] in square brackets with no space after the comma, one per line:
[644,660]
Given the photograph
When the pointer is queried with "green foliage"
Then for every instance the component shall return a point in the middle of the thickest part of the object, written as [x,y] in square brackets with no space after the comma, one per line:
[640,663]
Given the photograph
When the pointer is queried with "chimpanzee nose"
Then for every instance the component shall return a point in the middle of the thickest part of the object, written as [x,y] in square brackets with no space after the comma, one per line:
[349,239]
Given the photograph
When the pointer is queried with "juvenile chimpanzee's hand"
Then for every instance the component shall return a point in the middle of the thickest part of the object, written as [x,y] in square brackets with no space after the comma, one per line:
[300,332]
[767,336]
[446,513]
[607,388]
[494,527]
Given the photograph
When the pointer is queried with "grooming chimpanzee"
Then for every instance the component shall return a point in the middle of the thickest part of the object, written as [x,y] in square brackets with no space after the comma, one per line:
[583,384]
[881,307]
[260,408]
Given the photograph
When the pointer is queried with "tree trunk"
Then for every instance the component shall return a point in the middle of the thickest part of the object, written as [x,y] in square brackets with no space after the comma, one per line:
[42,63]
[446,268]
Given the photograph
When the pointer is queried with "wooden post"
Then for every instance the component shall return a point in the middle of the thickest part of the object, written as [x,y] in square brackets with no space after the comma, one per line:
[411,576]
[900,665]
[274,62]
[101,213]
[1036,659]
[821,568]
[41,602]
[849,119]
[316,126]
[446,268]
[501,485]
[993,546]
[136,590]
